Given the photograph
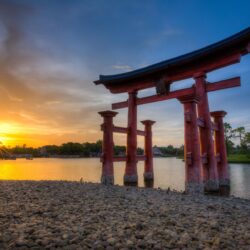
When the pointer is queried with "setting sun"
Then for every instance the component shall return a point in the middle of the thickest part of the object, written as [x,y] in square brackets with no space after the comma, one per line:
[7,132]
[3,140]
[6,128]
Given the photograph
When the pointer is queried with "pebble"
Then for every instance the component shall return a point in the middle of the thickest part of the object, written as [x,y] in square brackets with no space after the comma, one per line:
[73,215]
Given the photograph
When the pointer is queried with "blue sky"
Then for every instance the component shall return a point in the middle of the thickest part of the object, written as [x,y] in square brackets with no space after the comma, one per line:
[52,50]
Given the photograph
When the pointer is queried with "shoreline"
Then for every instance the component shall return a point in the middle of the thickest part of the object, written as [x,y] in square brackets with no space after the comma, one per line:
[231,160]
[74,215]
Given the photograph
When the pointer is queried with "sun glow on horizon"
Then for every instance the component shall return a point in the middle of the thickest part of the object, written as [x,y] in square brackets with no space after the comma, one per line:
[33,135]
[7,134]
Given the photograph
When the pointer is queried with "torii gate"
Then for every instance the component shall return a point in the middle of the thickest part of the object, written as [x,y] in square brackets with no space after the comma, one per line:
[205,150]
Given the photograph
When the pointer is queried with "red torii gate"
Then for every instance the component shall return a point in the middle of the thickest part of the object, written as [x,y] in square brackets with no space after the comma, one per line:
[205,150]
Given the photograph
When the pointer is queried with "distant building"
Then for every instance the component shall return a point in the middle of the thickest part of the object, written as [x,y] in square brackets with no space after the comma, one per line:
[43,151]
[157,151]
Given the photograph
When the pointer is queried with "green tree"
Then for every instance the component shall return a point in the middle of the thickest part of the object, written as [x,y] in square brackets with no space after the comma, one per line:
[51,149]
[247,138]
[229,134]
[240,133]
[71,148]
[140,151]
[246,143]
[119,150]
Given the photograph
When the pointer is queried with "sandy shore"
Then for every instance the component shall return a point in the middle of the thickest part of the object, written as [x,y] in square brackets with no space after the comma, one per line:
[71,215]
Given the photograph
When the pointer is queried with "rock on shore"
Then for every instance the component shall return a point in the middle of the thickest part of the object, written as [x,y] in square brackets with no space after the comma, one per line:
[72,215]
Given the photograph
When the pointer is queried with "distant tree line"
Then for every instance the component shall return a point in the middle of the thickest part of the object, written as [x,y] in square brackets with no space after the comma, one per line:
[170,150]
[88,149]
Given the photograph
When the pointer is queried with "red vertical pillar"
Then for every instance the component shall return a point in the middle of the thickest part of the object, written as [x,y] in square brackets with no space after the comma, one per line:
[206,135]
[148,167]
[107,147]
[193,167]
[220,149]
[131,163]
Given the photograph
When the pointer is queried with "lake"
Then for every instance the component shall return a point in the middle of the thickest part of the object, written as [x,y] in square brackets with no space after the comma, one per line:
[169,172]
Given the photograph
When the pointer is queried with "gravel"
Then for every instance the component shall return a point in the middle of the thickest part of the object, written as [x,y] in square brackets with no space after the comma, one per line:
[74,215]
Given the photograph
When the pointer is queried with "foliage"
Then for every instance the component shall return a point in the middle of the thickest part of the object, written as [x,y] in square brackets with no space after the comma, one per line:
[23,150]
[239,132]
[244,140]
[239,158]
[229,134]
[119,150]
[170,150]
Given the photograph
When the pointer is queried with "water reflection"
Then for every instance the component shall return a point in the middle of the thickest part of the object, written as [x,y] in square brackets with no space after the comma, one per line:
[169,172]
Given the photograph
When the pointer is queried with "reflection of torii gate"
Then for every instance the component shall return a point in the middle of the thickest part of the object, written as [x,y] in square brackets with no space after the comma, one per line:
[205,163]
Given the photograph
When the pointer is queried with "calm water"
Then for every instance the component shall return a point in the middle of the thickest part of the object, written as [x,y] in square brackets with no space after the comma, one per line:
[169,172]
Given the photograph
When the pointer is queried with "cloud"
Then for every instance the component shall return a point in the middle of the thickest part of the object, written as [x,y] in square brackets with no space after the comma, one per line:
[122,67]
[163,36]
[41,92]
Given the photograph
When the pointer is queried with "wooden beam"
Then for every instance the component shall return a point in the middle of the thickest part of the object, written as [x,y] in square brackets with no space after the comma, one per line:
[141,132]
[224,84]
[119,105]
[171,95]
[120,130]
[119,158]
[155,98]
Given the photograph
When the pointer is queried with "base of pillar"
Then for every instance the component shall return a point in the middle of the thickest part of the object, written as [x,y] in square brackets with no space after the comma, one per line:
[211,186]
[148,176]
[224,190]
[224,182]
[130,179]
[107,179]
[224,187]
[149,183]
[194,188]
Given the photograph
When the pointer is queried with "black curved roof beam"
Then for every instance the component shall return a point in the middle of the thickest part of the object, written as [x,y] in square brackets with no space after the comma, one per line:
[207,59]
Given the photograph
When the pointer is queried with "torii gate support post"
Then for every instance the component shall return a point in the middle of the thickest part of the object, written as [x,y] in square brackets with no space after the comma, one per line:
[148,167]
[210,171]
[107,147]
[131,163]
[193,167]
[220,149]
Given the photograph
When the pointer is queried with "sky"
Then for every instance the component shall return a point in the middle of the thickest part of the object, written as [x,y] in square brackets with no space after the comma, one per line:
[51,51]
